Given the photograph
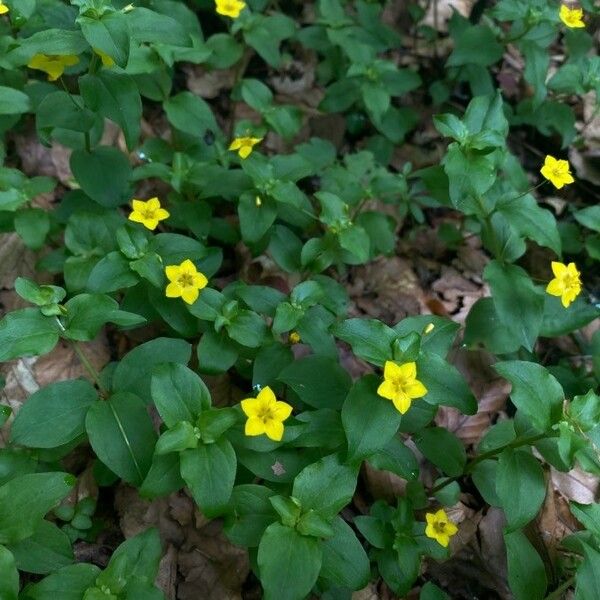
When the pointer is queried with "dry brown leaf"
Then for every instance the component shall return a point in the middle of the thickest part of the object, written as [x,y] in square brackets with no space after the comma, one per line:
[440,11]
[575,485]
[208,83]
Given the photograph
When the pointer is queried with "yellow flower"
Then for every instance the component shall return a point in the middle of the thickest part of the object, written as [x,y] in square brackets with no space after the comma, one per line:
[439,527]
[566,282]
[148,213]
[401,385]
[230,8]
[244,145]
[3,8]
[294,337]
[571,17]
[53,65]
[107,61]
[557,171]
[265,414]
[429,328]
[185,281]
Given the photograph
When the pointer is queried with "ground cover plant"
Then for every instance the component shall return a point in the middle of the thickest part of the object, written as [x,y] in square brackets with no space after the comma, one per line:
[300,299]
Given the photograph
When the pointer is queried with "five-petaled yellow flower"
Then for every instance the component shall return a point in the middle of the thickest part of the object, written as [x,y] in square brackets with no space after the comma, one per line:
[294,337]
[401,385]
[557,171]
[439,527]
[185,281]
[148,213]
[107,60]
[53,65]
[566,282]
[230,8]
[571,17]
[244,145]
[3,8]
[265,414]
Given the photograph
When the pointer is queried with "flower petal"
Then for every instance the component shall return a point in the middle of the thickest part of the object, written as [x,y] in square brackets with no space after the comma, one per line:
[555,287]
[245,151]
[173,290]
[250,407]
[558,268]
[190,294]
[187,266]
[136,217]
[415,389]
[391,370]
[402,403]
[274,430]
[282,411]
[408,370]
[200,280]
[266,396]
[172,272]
[387,390]
[254,426]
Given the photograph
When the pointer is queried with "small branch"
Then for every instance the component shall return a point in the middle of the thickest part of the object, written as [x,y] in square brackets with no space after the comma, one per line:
[89,367]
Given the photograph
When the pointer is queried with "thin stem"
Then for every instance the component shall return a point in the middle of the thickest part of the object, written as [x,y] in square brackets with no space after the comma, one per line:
[89,367]
[516,443]
[535,187]
[559,591]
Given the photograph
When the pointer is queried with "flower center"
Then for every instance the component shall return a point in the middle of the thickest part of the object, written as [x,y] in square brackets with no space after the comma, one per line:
[265,414]
[558,172]
[440,526]
[185,280]
[149,213]
[571,281]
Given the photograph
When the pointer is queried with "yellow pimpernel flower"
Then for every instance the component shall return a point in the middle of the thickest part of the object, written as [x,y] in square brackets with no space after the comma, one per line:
[3,8]
[571,17]
[566,282]
[265,415]
[148,213]
[107,60]
[557,171]
[185,281]
[244,146]
[53,65]
[294,337]
[439,527]
[230,8]
[401,385]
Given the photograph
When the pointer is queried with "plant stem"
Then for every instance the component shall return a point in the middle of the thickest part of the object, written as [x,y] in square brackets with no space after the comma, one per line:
[516,443]
[558,592]
[89,367]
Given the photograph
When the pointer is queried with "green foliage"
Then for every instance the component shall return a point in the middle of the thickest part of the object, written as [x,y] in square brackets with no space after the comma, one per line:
[280,214]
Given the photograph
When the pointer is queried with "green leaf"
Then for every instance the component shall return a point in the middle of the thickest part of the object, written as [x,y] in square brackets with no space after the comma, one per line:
[122,436]
[109,33]
[345,562]
[476,45]
[251,514]
[255,220]
[319,381]
[191,114]
[325,486]
[535,392]
[32,225]
[370,339]
[517,301]
[178,393]
[26,332]
[54,415]
[520,486]
[587,582]
[209,471]
[46,551]
[115,96]
[134,372]
[87,313]
[9,576]
[443,449]
[247,328]
[163,477]
[176,439]
[396,458]
[588,515]
[589,217]
[288,563]
[216,352]
[111,273]
[437,341]
[13,102]
[90,170]
[369,421]
[25,499]
[483,326]
[559,321]
[68,583]
[430,591]
[445,384]
[526,571]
